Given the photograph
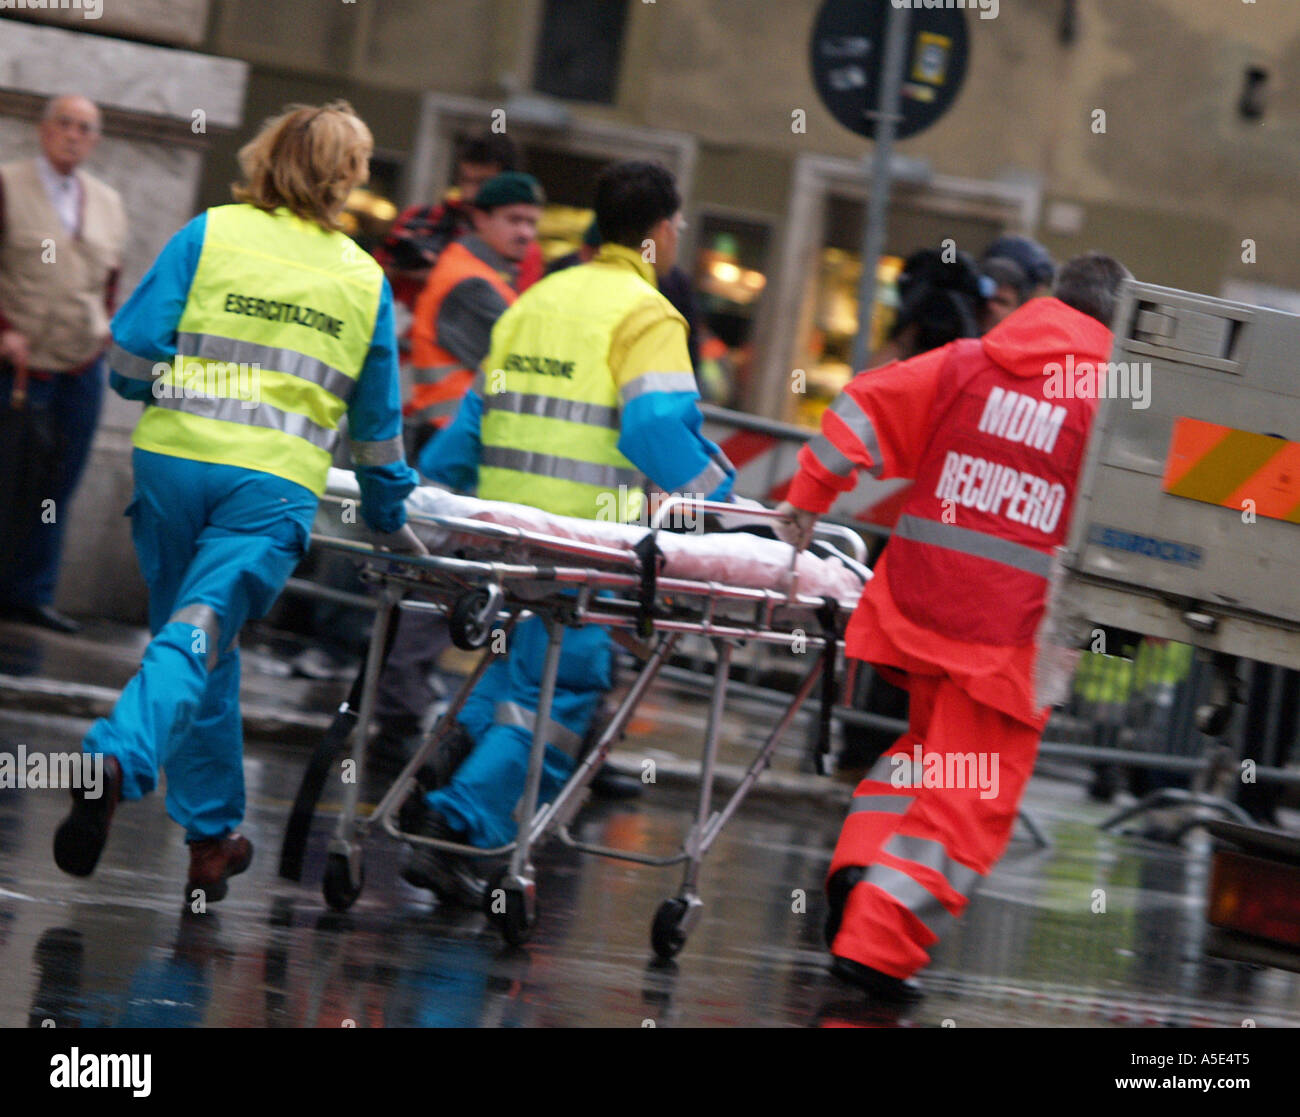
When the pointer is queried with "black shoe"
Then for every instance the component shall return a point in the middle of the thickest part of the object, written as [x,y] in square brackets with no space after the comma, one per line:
[80,838]
[43,616]
[609,784]
[880,986]
[447,874]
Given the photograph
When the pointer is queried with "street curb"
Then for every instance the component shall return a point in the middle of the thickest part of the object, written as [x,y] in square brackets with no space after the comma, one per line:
[86,700]
[783,786]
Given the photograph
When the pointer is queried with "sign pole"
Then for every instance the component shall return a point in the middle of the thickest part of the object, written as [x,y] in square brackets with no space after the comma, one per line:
[886,117]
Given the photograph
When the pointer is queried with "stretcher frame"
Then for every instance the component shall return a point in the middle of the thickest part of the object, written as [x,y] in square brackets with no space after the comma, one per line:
[502,593]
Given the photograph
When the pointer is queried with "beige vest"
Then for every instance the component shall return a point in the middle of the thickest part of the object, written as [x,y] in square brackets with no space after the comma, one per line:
[52,283]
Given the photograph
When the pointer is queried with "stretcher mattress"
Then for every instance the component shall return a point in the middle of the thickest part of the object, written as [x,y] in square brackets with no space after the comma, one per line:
[729,557]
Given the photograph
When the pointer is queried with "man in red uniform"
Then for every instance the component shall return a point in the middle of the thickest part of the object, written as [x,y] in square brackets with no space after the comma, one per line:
[993,431]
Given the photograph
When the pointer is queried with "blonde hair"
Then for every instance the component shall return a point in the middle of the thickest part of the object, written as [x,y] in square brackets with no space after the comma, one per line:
[307,159]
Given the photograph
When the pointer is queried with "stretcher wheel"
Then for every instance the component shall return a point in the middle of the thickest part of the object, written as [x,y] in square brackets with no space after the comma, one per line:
[470,620]
[512,923]
[666,934]
[341,889]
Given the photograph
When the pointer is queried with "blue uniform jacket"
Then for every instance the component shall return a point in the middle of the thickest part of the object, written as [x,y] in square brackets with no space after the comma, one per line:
[145,327]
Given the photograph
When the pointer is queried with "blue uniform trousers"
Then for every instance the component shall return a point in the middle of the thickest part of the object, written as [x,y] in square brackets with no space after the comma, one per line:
[481,797]
[73,401]
[216,544]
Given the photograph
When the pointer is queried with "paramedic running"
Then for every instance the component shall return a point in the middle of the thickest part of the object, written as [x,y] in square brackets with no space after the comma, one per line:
[587,386]
[995,447]
[259,326]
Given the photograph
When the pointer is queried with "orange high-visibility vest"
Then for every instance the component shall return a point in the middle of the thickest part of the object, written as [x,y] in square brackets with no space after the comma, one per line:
[441,380]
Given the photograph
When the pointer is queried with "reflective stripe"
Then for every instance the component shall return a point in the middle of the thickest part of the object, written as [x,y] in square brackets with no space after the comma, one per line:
[658,382]
[911,894]
[933,855]
[825,451]
[435,410]
[882,804]
[377,453]
[884,768]
[552,407]
[129,365]
[859,423]
[213,347]
[512,713]
[258,415]
[203,617]
[552,465]
[434,374]
[978,543]
[706,481]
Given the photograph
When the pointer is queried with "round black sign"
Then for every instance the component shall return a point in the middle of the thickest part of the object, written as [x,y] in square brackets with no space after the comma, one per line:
[848,55]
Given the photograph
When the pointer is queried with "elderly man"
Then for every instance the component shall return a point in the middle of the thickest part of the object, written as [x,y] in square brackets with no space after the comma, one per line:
[61,238]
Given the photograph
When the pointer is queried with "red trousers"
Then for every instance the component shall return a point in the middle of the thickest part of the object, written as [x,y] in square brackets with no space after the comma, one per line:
[932,816]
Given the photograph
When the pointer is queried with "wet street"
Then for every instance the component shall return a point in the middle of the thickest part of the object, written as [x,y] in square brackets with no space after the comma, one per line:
[1033,950]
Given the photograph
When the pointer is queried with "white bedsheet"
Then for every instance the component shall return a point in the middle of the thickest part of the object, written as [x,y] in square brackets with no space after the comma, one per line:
[732,558]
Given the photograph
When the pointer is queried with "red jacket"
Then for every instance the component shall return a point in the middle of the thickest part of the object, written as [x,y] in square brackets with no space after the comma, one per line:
[995,446]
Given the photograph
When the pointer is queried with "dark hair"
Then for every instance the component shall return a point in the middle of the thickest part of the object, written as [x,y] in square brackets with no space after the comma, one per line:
[1007,273]
[631,198]
[489,147]
[939,297]
[1090,283]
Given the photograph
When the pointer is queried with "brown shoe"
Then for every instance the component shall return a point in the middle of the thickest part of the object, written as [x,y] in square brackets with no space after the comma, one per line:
[80,838]
[213,861]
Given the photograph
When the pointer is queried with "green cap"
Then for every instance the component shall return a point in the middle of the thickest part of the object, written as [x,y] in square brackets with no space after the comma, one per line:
[510,188]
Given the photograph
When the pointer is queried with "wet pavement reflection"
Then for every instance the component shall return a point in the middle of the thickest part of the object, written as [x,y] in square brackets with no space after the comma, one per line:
[1098,930]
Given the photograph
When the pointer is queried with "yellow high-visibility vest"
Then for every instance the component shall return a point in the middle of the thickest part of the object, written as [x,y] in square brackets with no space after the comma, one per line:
[550,425]
[269,347]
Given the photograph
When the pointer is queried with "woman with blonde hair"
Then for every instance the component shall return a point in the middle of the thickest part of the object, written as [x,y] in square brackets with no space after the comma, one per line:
[257,328]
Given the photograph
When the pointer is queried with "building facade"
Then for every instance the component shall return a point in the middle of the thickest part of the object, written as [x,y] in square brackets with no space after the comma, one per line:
[1164,132]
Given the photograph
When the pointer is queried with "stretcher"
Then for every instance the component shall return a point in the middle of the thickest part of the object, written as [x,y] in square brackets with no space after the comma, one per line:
[489,565]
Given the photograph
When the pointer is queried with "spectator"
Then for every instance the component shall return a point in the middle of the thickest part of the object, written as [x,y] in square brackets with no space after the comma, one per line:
[1018,269]
[421,232]
[61,237]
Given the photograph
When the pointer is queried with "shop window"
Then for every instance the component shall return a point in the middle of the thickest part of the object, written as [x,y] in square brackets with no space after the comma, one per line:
[579,51]
[730,276]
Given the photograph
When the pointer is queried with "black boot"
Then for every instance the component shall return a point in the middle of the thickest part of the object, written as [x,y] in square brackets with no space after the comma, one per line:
[879,986]
[837,895]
